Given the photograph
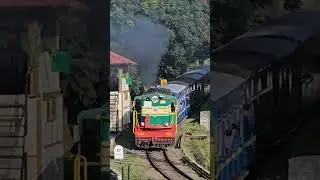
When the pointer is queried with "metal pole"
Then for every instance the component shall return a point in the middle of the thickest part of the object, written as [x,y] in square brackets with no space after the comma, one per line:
[122,172]
[213,142]
[128,172]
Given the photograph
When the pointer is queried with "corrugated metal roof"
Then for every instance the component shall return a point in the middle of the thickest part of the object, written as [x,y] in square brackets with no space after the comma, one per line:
[180,82]
[184,80]
[191,76]
[117,59]
[174,88]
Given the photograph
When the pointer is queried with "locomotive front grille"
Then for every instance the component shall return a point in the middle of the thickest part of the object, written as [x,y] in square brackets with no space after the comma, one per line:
[154,142]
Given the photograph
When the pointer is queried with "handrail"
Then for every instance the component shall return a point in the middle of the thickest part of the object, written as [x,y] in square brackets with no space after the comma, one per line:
[77,167]
[134,114]
[135,117]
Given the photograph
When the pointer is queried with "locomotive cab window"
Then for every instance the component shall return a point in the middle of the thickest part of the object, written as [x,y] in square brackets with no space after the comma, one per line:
[173,108]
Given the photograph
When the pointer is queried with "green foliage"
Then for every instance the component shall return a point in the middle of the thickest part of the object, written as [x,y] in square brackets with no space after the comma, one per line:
[189,21]
[122,15]
[199,150]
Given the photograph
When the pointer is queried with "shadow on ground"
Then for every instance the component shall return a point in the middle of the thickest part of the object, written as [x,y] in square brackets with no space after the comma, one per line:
[126,139]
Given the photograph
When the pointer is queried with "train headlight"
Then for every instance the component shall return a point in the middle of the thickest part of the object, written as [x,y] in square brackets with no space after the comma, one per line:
[142,123]
[166,124]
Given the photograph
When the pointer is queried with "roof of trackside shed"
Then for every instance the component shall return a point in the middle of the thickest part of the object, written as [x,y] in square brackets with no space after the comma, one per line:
[117,59]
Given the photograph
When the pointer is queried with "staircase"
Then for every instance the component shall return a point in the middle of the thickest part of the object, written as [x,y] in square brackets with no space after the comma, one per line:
[13,132]
[12,137]
[114,123]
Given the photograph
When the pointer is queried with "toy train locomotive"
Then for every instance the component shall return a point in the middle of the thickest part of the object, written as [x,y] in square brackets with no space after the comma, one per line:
[158,112]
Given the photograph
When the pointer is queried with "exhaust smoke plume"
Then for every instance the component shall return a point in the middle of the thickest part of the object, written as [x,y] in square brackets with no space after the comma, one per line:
[144,43]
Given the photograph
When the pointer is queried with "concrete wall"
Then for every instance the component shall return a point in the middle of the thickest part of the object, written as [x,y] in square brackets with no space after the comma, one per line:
[120,107]
[124,102]
[304,167]
[53,144]
[48,81]
[51,133]
[205,119]
[51,120]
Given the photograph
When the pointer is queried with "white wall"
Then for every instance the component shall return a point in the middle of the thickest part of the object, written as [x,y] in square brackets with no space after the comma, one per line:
[53,144]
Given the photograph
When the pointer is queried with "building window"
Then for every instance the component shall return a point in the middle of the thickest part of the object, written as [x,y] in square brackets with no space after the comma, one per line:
[51,110]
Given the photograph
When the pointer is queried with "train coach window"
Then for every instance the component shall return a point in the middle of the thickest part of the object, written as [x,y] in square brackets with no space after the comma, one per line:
[264,80]
[246,107]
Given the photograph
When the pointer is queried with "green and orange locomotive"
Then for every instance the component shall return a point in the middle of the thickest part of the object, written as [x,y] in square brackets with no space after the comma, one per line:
[155,119]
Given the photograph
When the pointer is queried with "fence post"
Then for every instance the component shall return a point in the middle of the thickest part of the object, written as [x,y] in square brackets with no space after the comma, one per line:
[122,171]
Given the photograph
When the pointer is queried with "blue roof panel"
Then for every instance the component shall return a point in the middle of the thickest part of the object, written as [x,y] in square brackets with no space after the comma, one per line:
[194,76]
[199,71]
[174,88]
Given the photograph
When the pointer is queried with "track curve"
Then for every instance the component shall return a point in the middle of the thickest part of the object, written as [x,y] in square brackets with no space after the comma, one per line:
[160,162]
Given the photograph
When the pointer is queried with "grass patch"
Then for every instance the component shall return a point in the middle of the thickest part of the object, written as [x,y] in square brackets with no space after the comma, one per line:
[199,150]
[136,163]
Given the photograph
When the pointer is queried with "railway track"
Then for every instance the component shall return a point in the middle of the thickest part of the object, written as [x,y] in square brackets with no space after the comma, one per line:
[160,162]
[201,172]
[196,168]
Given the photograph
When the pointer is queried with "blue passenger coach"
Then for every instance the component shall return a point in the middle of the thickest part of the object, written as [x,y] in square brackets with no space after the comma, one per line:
[190,88]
